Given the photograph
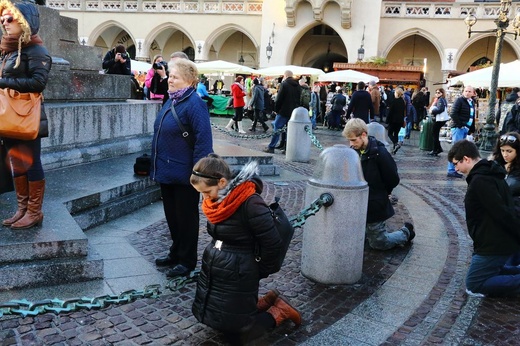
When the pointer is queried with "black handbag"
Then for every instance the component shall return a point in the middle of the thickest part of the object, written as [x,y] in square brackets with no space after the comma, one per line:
[6,179]
[142,165]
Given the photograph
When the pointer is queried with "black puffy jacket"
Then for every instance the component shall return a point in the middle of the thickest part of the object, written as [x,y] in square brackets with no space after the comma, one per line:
[227,290]
[35,64]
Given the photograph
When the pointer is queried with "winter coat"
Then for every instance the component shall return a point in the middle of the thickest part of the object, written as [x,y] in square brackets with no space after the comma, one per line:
[461,116]
[339,101]
[112,67]
[513,180]
[35,64]
[396,111]
[172,157]
[490,216]
[227,289]
[360,105]
[288,97]
[257,102]
[380,172]
[237,90]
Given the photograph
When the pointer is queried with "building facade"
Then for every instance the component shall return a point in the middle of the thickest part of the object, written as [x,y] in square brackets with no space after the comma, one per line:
[313,33]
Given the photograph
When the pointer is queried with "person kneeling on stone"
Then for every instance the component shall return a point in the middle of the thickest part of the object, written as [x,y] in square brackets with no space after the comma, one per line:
[238,218]
[380,172]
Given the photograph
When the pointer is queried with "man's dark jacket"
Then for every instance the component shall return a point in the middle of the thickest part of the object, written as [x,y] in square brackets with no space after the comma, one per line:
[288,97]
[460,114]
[361,105]
[380,172]
[490,217]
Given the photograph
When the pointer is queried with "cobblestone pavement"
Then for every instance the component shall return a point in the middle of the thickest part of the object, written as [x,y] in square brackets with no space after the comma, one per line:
[446,316]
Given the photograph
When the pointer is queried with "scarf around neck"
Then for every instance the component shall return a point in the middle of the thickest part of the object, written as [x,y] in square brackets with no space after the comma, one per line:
[218,211]
[233,195]
[10,43]
[176,95]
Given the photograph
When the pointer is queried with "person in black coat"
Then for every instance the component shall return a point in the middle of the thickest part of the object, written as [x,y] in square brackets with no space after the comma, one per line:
[117,61]
[25,68]
[396,117]
[360,105]
[507,154]
[238,220]
[380,172]
[287,99]
[492,223]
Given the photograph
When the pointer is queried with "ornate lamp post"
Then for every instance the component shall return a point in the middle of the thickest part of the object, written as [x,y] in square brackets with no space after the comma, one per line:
[269,50]
[489,135]
[361,50]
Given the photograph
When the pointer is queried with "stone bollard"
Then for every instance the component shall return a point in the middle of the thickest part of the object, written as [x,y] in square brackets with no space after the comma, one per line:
[333,239]
[378,131]
[298,147]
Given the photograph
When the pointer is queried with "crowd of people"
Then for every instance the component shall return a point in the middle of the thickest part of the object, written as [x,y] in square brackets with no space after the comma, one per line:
[238,219]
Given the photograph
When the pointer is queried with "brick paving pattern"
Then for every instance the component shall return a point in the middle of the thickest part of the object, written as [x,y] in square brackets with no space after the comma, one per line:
[447,315]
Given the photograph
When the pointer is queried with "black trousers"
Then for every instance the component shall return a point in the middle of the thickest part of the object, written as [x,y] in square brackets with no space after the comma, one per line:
[436,131]
[264,323]
[393,132]
[181,208]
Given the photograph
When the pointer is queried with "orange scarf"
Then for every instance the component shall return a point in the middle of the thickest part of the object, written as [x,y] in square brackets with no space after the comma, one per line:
[219,211]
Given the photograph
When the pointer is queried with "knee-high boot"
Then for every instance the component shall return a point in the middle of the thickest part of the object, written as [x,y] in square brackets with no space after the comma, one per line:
[240,129]
[34,215]
[229,126]
[21,187]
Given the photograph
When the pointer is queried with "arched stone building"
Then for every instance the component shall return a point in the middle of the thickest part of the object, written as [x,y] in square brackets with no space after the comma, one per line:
[301,32]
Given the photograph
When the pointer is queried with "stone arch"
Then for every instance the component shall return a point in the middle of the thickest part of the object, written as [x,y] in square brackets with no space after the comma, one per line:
[220,35]
[103,27]
[154,33]
[475,38]
[414,31]
[317,9]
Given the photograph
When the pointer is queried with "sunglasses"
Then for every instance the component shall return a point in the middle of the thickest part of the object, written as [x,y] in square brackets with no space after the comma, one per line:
[507,139]
[8,19]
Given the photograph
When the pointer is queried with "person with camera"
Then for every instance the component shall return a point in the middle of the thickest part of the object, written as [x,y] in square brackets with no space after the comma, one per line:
[157,79]
[117,61]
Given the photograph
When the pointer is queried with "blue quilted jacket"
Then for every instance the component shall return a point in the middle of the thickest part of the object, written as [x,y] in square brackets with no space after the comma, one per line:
[172,157]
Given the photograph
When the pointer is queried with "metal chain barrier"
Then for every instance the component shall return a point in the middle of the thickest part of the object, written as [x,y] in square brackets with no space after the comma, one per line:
[246,136]
[26,308]
[314,139]
[325,200]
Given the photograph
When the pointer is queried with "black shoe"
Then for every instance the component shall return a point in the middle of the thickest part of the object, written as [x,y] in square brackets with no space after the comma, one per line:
[265,128]
[433,153]
[164,261]
[454,175]
[409,227]
[396,148]
[252,129]
[268,150]
[280,146]
[178,270]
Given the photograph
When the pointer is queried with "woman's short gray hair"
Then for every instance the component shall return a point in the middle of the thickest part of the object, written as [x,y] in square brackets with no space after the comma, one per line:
[186,69]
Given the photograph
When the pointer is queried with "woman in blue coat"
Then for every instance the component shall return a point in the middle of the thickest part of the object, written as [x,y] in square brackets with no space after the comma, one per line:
[173,157]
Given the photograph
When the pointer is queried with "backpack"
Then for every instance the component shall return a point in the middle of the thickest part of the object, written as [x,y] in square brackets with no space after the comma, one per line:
[284,228]
[305,97]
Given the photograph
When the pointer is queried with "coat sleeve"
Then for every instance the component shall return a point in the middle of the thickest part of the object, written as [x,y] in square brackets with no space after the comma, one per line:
[261,224]
[201,125]
[388,170]
[36,76]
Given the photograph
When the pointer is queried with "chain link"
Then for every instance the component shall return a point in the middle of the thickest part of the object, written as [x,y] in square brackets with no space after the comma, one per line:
[26,308]
[325,200]
[245,136]
[314,139]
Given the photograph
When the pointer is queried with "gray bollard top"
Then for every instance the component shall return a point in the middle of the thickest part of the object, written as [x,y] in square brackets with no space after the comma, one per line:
[378,131]
[339,166]
[300,115]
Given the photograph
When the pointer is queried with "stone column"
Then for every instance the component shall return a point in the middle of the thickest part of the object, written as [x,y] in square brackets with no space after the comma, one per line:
[298,141]
[333,239]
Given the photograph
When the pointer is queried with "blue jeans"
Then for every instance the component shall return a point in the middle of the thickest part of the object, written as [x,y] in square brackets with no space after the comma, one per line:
[457,134]
[494,275]
[278,123]
[380,238]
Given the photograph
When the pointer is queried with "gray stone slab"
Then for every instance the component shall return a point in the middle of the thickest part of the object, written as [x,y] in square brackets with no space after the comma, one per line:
[127,267]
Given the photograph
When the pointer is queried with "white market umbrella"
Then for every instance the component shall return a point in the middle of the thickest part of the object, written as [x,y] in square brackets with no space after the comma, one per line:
[347,76]
[221,66]
[507,77]
[296,70]
[141,66]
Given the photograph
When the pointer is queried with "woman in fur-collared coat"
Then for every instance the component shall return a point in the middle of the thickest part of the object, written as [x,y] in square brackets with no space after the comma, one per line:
[238,221]
[25,68]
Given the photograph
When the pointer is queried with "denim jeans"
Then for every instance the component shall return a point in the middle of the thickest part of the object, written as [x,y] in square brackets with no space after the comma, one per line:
[494,275]
[457,134]
[380,238]
[278,123]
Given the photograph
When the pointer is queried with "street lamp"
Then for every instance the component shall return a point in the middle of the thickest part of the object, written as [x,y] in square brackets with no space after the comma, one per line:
[361,50]
[489,135]
[269,50]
